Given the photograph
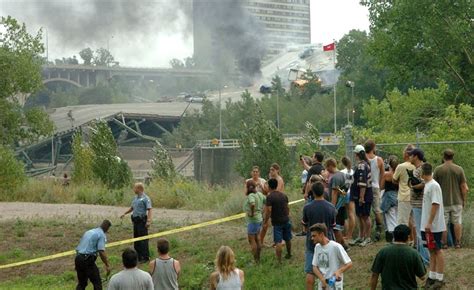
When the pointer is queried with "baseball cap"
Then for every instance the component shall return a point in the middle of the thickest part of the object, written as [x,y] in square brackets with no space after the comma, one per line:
[418,153]
[359,148]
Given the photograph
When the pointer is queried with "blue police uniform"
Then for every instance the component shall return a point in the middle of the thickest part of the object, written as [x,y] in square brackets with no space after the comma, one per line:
[91,242]
[141,203]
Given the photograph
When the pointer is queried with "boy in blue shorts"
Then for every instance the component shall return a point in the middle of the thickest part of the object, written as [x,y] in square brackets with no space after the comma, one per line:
[277,209]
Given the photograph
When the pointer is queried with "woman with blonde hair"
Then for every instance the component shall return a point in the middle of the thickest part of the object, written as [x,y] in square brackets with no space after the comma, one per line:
[226,276]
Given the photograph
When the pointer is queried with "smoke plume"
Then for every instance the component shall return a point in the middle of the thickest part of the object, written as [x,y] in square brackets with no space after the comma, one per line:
[146,32]
[234,31]
[126,25]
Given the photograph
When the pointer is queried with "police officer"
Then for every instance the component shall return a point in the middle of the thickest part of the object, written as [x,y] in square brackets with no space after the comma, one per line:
[141,218]
[92,241]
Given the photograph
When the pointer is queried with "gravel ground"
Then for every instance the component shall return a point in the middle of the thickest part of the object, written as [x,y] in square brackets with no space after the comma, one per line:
[30,210]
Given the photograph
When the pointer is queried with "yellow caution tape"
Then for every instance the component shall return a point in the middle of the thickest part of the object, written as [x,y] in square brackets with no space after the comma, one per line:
[128,241]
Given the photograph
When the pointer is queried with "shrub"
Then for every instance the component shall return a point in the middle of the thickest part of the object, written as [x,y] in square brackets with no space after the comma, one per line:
[12,173]
[83,156]
[106,164]
[163,167]
[261,144]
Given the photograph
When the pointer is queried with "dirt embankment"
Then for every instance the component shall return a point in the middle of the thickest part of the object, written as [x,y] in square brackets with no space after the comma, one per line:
[30,210]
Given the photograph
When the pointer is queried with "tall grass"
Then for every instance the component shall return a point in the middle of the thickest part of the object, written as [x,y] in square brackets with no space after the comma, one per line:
[50,191]
[181,193]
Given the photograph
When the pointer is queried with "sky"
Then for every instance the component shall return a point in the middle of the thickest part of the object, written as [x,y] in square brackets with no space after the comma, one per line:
[330,19]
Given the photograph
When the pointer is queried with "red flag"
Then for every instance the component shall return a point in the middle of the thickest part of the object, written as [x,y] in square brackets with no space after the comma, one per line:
[329,47]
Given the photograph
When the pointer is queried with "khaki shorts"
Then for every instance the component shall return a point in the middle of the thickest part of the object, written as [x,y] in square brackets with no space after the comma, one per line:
[453,214]
[404,211]
[376,202]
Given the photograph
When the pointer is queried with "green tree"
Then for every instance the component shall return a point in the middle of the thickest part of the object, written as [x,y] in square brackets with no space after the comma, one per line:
[310,141]
[423,113]
[359,66]
[12,173]
[103,57]
[401,112]
[163,167]
[261,144]
[421,42]
[107,165]
[83,157]
[20,60]
[87,55]
[20,73]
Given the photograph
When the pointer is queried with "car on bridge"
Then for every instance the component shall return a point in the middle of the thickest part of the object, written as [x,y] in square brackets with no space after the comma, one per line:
[197,98]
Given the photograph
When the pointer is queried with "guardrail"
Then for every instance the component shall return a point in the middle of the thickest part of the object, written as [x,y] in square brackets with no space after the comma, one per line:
[289,139]
[216,143]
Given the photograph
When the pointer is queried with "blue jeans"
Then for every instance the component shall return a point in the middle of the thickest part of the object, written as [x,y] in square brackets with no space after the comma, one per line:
[425,255]
[308,262]
[282,233]
[253,228]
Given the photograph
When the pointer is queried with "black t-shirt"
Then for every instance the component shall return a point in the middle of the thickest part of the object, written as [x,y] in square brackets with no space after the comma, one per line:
[315,169]
[280,211]
[398,265]
[319,211]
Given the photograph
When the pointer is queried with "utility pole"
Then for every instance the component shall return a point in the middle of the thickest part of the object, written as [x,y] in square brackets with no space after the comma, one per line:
[335,114]
[278,110]
[220,114]
[351,84]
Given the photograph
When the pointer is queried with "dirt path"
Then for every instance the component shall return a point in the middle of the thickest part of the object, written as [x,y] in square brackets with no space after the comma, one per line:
[30,210]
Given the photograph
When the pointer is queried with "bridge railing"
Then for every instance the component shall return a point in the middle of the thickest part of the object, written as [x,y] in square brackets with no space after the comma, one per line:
[289,139]
[216,143]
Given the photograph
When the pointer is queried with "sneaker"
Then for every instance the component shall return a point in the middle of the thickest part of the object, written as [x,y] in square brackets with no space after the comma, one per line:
[302,234]
[429,282]
[437,285]
[355,242]
[366,242]
[288,256]
[377,237]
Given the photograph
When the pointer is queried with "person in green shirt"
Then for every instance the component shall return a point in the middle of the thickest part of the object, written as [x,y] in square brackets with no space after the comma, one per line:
[253,208]
[397,263]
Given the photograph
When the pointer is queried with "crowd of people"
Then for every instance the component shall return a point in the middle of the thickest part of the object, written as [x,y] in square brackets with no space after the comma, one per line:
[411,202]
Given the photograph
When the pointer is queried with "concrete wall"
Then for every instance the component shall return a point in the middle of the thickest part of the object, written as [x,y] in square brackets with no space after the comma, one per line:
[216,165]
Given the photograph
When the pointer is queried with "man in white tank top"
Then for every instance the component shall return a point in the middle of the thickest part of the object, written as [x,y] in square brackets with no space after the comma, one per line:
[377,171]
[164,270]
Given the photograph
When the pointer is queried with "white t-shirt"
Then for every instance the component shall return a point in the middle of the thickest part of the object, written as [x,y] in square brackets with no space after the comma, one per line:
[432,194]
[304,176]
[131,279]
[329,258]
[348,180]
[345,171]
[260,183]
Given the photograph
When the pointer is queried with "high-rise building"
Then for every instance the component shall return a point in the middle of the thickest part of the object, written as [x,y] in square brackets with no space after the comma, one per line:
[286,22]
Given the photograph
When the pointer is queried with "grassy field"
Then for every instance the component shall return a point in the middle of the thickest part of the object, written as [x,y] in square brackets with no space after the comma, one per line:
[181,193]
[196,250]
